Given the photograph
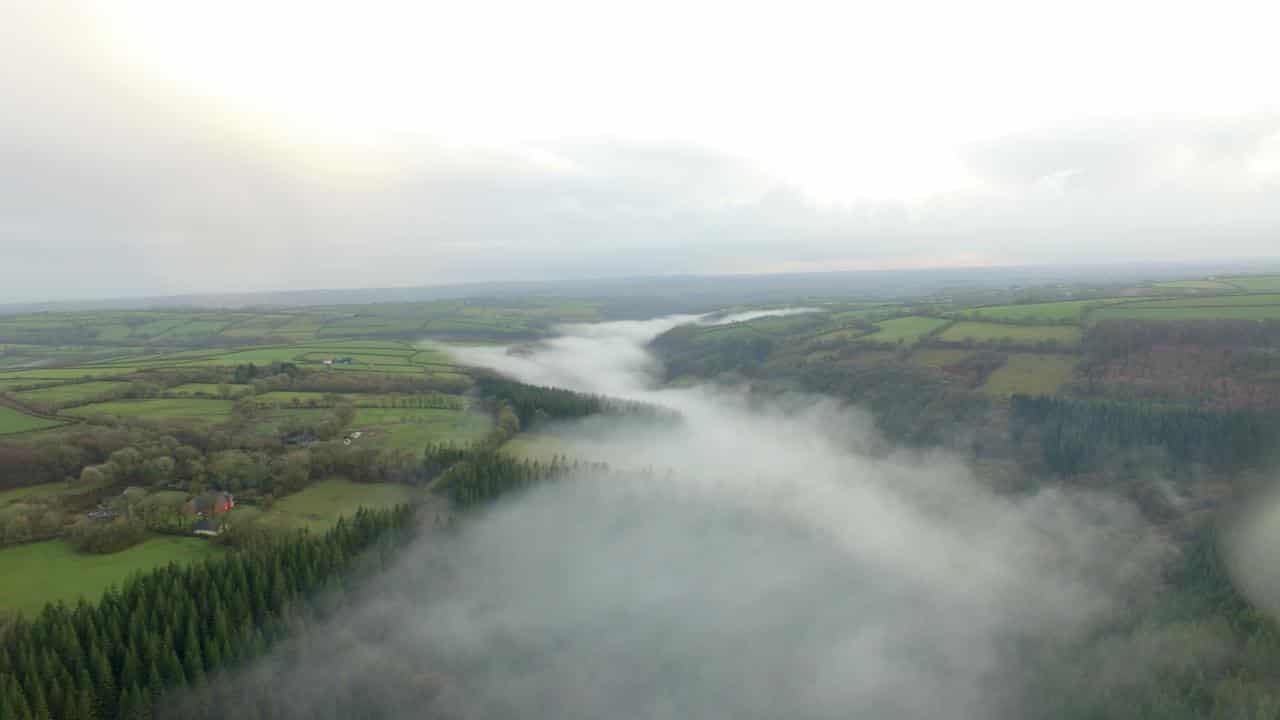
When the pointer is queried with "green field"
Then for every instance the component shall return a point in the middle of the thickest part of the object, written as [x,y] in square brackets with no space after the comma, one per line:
[358,358]
[414,428]
[199,327]
[905,330]
[388,369]
[1197,285]
[537,446]
[210,389]
[1256,283]
[1051,312]
[257,356]
[836,336]
[113,332]
[487,320]
[256,326]
[996,332]
[43,572]
[935,358]
[1238,300]
[431,353]
[12,421]
[69,393]
[46,490]
[319,506]
[864,313]
[1229,307]
[383,356]
[159,327]
[62,374]
[374,325]
[287,398]
[484,327]
[194,409]
[867,358]
[1031,374]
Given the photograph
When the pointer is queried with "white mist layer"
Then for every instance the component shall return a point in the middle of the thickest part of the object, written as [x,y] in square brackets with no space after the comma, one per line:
[1251,552]
[756,314]
[776,571]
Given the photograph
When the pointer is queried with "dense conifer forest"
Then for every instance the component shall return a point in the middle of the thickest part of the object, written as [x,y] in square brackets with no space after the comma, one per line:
[181,627]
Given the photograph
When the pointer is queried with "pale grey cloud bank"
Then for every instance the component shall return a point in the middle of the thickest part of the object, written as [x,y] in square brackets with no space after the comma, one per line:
[114,182]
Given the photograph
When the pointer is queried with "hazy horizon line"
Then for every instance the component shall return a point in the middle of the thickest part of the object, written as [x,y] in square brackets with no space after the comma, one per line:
[511,284]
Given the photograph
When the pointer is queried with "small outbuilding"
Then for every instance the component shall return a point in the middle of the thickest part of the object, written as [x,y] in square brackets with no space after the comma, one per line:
[207,527]
[212,503]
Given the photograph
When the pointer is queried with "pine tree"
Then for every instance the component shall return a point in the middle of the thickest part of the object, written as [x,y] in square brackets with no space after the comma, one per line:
[182,623]
[39,703]
[85,705]
[104,685]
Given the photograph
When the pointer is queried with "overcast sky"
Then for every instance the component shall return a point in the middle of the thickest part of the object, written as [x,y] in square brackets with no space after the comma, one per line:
[170,146]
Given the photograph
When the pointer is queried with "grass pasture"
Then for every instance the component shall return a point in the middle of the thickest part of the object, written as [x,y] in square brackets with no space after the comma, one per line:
[938,358]
[113,332]
[866,358]
[209,389]
[49,571]
[537,446]
[48,490]
[1255,283]
[370,325]
[366,355]
[159,409]
[1263,312]
[12,421]
[790,324]
[200,327]
[255,326]
[1198,286]
[318,507]
[1238,300]
[287,398]
[63,374]
[414,428]
[257,356]
[158,327]
[904,330]
[72,392]
[1021,334]
[1262,306]
[484,327]
[843,335]
[139,329]
[1030,374]
[1050,312]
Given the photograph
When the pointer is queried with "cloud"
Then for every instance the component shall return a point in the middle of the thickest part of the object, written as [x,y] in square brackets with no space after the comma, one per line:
[757,560]
[112,181]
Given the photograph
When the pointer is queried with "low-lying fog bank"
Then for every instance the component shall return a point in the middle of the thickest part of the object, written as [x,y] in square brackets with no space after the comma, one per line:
[768,568]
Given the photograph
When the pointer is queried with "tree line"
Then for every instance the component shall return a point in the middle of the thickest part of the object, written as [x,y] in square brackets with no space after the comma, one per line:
[180,626]
[534,403]
[480,474]
[1195,649]
[1118,336]
[1076,436]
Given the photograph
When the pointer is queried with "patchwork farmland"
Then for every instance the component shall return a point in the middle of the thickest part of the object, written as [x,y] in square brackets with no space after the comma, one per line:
[307,414]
